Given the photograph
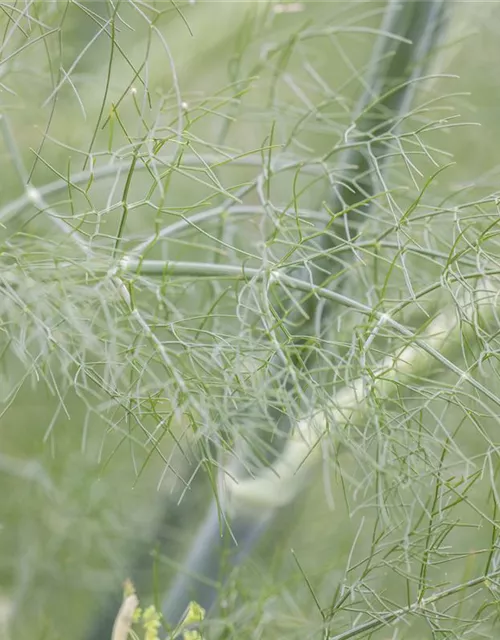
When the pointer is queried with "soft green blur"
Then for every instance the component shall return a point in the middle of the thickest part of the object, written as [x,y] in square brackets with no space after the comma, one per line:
[80,488]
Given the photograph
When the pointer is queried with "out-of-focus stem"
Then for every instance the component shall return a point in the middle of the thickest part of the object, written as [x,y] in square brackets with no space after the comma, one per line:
[390,90]
[278,484]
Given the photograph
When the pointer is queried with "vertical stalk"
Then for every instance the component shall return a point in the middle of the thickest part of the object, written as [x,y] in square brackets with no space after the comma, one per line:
[391,86]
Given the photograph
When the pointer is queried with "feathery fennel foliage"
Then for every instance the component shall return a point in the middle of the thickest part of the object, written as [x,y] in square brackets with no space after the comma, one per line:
[227,274]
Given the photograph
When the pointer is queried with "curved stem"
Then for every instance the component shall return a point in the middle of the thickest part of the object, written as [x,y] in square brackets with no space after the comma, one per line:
[390,89]
[111,170]
[408,34]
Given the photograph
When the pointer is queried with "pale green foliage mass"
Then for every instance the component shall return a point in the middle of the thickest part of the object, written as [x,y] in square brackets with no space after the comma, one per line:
[167,179]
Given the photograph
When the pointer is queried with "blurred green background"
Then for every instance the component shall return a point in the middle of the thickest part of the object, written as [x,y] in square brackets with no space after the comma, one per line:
[81,486]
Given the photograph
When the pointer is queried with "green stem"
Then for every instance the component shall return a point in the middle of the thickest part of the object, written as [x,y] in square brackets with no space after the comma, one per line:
[385,618]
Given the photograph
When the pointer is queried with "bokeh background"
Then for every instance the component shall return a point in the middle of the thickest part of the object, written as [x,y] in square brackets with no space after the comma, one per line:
[98,442]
